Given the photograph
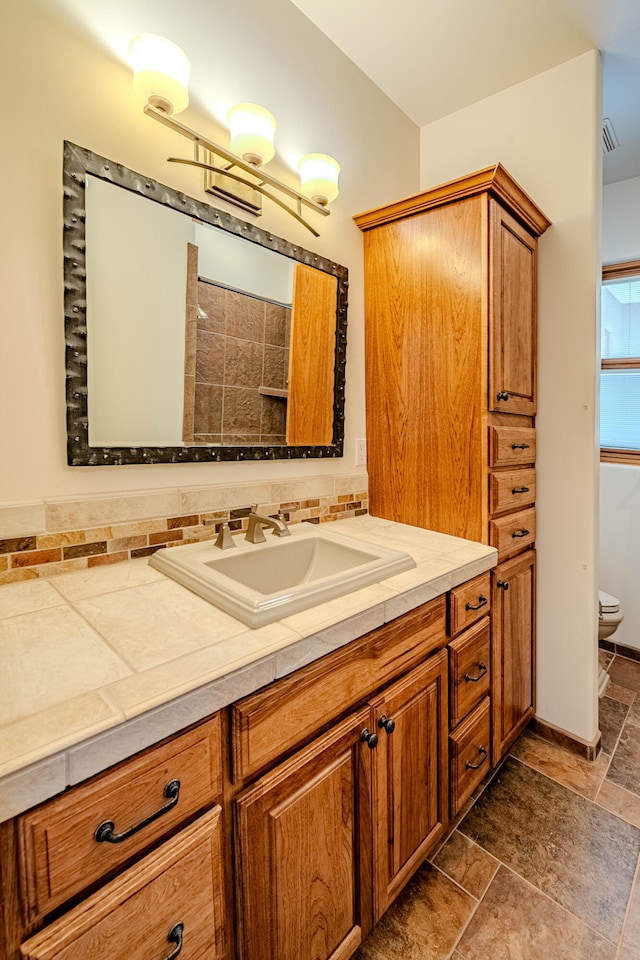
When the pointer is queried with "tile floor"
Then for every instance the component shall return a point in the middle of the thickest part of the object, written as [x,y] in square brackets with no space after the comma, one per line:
[546,863]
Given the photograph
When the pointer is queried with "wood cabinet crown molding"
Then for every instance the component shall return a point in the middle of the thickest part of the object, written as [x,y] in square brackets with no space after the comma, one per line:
[495,180]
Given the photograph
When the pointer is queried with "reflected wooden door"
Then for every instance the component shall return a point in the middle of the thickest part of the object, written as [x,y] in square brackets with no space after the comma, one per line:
[312,345]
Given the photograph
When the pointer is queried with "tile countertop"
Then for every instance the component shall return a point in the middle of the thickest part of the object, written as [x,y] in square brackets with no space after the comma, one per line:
[101,663]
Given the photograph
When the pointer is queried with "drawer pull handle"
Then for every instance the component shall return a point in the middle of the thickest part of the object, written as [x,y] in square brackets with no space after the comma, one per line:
[483,669]
[520,533]
[105,833]
[519,446]
[387,723]
[503,584]
[474,766]
[503,395]
[520,490]
[482,602]
[371,739]
[175,935]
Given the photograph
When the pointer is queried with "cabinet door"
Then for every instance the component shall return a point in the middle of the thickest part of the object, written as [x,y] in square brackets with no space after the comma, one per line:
[425,348]
[512,649]
[512,315]
[410,775]
[303,850]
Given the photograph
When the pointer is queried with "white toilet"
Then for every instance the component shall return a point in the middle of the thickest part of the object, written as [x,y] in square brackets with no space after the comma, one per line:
[609,619]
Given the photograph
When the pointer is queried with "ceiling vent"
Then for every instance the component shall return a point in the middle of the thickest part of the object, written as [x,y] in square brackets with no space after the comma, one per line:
[609,139]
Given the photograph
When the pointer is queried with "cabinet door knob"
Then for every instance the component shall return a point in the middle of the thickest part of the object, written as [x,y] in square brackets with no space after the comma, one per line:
[387,723]
[503,584]
[520,533]
[503,395]
[175,935]
[519,446]
[482,667]
[520,490]
[482,602]
[106,831]
[371,739]
[474,766]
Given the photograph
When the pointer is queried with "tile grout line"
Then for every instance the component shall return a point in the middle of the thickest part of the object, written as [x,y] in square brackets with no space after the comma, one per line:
[636,882]
[562,907]
[523,878]
[553,779]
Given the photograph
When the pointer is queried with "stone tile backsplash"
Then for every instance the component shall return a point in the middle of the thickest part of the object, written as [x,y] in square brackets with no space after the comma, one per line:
[65,535]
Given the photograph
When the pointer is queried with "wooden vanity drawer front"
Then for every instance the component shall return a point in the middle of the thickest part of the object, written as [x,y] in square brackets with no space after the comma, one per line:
[267,724]
[511,490]
[469,670]
[513,533]
[131,917]
[469,602]
[511,445]
[469,754]
[60,856]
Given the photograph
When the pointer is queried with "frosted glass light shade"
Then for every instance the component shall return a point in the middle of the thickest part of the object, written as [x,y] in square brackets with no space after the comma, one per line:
[160,72]
[252,131]
[319,177]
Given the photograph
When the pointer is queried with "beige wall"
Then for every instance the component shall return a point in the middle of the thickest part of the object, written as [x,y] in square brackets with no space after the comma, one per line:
[63,85]
[546,132]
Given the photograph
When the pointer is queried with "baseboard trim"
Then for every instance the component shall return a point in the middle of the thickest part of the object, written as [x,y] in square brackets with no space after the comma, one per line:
[631,653]
[589,749]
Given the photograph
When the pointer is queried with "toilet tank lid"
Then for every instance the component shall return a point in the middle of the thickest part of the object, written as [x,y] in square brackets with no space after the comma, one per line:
[609,603]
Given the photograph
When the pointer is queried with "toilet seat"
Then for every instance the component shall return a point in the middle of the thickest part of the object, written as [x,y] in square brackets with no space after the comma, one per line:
[608,603]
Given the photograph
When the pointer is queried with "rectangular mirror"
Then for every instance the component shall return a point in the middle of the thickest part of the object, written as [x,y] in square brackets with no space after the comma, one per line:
[192,335]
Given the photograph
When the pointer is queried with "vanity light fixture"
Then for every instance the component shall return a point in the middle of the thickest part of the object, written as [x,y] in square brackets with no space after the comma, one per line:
[319,177]
[161,76]
[252,130]
[160,73]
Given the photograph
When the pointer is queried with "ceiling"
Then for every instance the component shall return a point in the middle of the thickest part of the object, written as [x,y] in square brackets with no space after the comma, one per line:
[431,57]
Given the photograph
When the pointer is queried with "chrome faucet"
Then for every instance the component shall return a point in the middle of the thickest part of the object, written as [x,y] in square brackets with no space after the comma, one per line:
[255,533]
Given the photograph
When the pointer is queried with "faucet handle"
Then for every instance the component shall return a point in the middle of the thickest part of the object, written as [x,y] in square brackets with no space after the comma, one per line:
[224,540]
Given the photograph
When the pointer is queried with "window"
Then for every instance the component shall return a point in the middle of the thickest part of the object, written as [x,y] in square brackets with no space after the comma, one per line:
[620,374]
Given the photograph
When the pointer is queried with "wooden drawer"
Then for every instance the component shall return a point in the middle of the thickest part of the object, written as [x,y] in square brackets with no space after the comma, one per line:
[59,854]
[469,754]
[511,445]
[269,723]
[511,490]
[135,917]
[469,602]
[513,533]
[469,670]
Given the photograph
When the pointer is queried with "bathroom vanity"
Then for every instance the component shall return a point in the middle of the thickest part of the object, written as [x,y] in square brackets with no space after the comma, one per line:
[282,824]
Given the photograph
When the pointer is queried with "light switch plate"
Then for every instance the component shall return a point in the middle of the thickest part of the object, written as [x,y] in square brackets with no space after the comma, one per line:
[361,452]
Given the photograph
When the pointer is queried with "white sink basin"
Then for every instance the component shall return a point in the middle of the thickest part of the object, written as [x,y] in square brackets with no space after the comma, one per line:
[262,582]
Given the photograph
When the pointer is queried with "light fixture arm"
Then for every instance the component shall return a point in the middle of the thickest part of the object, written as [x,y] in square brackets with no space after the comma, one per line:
[236,161]
[254,186]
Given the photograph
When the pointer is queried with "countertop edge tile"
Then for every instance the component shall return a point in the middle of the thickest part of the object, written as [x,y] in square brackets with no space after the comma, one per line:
[97,753]
[32,785]
[47,745]
[330,638]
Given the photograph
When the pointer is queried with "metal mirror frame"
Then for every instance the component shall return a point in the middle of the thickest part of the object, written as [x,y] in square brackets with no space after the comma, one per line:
[78,162]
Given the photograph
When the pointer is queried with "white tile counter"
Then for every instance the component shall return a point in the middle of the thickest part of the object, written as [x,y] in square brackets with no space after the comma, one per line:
[98,664]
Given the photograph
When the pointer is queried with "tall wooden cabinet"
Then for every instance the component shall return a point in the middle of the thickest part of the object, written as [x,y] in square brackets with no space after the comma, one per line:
[450,346]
